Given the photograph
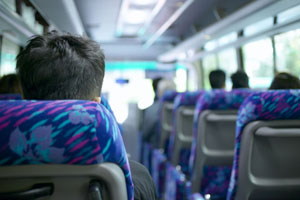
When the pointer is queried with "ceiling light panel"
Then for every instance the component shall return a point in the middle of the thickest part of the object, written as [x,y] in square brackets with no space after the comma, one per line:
[130,30]
[136,16]
[137,13]
[143,2]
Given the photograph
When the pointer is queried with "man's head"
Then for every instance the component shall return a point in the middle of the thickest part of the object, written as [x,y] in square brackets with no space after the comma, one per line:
[58,66]
[217,79]
[155,85]
[10,84]
[239,80]
[165,85]
[285,80]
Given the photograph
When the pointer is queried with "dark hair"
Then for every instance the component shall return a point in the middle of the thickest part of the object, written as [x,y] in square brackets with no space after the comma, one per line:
[10,84]
[285,80]
[58,66]
[217,78]
[239,80]
[154,86]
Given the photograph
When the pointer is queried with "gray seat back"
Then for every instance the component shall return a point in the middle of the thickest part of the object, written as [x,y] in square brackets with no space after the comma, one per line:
[269,164]
[166,123]
[215,142]
[184,131]
[70,181]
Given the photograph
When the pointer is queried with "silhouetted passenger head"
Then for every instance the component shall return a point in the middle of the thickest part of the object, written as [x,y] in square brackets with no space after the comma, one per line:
[285,80]
[217,79]
[165,85]
[10,84]
[239,80]
[61,66]
[154,86]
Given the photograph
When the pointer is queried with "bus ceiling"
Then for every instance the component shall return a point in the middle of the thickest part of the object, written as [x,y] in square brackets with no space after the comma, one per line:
[149,30]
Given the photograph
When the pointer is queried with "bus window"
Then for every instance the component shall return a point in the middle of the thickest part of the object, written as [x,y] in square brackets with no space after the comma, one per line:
[288,52]
[258,26]
[258,63]
[180,79]
[137,90]
[289,14]
[9,52]
[228,63]
[209,64]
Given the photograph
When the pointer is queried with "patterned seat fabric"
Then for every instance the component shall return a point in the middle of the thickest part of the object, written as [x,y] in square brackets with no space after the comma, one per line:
[105,103]
[183,99]
[270,105]
[158,164]
[175,184]
[61,132]
[215,179]
[10,96]
[158,161]
[196,196]
[168,96]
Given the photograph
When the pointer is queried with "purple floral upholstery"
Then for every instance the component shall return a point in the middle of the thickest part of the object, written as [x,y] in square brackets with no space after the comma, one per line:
[196,196]
[147,156]
[62,132]
[158,158]
[183,99]
[215,179]
[159,166]
[168,96]
[10,96]
[105,103]
[270,105]
[175,184]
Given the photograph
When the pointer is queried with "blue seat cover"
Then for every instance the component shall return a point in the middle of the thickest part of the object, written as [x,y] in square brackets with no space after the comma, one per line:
[215,179]
[72,132]
[269,105]
[183,99]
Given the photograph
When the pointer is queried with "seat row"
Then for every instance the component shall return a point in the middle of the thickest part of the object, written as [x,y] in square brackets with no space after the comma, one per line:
[206,136]
[66,149]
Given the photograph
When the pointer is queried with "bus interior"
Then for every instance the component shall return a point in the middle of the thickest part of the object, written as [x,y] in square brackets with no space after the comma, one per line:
[206,143]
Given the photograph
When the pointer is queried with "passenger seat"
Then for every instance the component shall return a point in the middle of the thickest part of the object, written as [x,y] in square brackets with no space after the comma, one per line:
[67,149]
[267,162]
[213,144]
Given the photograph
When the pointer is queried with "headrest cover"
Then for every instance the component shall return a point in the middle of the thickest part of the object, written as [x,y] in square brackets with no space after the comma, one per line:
[269,105]
[182,99]
[216,100]
[62,132]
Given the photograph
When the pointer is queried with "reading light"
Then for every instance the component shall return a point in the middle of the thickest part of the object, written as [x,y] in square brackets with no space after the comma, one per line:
[143,2]
[136,16]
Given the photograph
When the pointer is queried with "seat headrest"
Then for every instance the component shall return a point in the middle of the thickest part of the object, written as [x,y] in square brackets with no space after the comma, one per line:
[268,105]
[182,99]
[73,132]
[168,96]
[216,100]
[187,98]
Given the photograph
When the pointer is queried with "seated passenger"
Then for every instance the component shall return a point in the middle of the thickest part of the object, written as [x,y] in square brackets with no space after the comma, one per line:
[239,80]
[285,80]
[10,84]
[58,66]
[217,79]
[151,115]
